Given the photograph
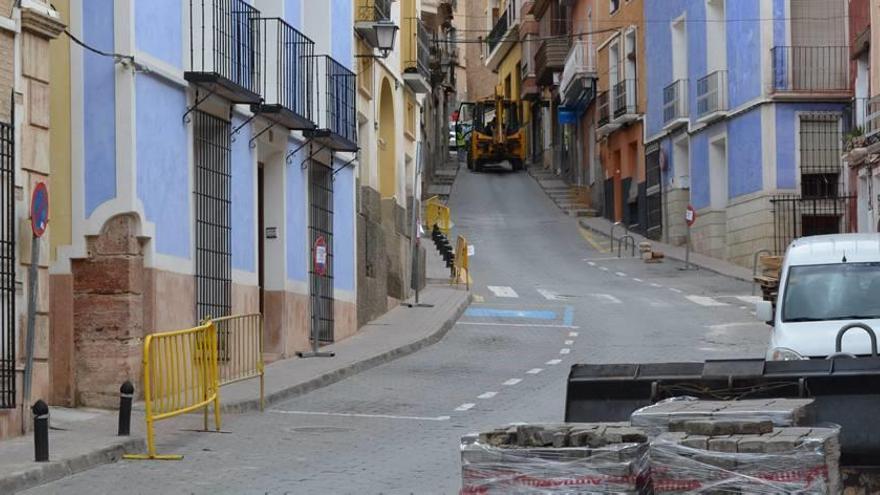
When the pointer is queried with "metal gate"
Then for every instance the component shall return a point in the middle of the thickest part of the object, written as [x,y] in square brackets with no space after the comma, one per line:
[7,266]
[321,227]
[653,199]
[212,196]
[795,217]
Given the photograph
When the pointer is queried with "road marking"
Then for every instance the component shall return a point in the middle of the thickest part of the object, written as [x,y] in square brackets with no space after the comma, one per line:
[510,313]
[620,274]
[589,238]
[550,295]
[512,382]
[608,297]
[354,415]
[673,289]
[553,362]
[534,371]
[572,334]
[527,325]
[603,268]
[465,407]
[750,299]
[564,350]
[591,263]
[487,395]
[568,316]
[569,342]
[478,298]
[637,280]
[503,291]
[654,284]
[705,301]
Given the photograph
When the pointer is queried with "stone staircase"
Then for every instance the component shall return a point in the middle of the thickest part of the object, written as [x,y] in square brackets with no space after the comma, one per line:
[568,198]
[444,177]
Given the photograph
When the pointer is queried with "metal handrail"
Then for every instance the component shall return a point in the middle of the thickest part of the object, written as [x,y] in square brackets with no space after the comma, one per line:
[755,266]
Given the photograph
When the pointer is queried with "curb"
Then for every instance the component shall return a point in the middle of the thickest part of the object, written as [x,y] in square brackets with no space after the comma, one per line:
[41,474]
[350,370]
[589,227]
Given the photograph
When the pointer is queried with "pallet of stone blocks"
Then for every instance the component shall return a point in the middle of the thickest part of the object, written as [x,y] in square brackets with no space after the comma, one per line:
[572,458]
[765,461]
[667,414]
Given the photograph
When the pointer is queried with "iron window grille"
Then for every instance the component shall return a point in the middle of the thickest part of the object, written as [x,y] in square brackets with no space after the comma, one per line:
[224,48]
[7,265]
[286,71]
[213,211]
[321,225]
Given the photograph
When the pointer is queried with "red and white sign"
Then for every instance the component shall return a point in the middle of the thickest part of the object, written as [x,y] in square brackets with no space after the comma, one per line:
[320,256]
[690,216]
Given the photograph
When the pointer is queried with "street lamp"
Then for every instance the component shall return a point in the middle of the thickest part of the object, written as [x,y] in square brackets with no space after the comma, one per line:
[386,32]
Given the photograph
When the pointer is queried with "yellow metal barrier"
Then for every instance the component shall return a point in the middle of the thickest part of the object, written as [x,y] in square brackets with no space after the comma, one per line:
[240,350]
[436,213]
[461,263]
[180,376]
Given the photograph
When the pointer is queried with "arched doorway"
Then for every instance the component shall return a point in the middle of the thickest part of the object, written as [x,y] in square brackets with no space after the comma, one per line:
[387,142]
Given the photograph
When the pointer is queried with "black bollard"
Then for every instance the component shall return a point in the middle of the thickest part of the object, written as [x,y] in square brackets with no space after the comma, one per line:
[126,395]
[41,431]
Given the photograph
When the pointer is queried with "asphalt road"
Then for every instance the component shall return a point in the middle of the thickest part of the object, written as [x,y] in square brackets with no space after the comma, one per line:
[547,297]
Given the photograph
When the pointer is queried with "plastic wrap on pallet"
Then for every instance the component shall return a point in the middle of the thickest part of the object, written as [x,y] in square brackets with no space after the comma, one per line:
[612,469]
[666,414]
[808,465]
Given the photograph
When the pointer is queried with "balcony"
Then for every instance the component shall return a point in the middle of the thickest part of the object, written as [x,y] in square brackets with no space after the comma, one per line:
[578,80]
[369,13]
[225,49]
[603,104]
[416,55]
[549,59]
[333,105]
[529,86]
[811,71]
[675,107]
[625,102]
[712,96]
[287,69]
[503,36]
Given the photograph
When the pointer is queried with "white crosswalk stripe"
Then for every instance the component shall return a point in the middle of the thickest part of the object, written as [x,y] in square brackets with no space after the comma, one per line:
[534,371]
[608,298]
[553,362]
[465,407]
[512,381]
[487,395]
[503,291]
[705,301]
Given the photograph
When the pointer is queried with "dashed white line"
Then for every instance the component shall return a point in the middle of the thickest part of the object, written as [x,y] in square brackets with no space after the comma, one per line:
[705,301]
[534,371]
[512,381]
[549,294]
[354,415]
[673,289]
[591,263]
[655,284]
[603,268]
[608,297]
[637,280]
[572,334]
[553,362]
[503,291]
[564,350]
[465,407]
[750,299]
[569,342]
[620,274]
[487,395]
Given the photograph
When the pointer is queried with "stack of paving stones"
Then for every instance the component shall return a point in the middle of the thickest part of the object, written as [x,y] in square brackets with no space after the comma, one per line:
[658,417]
[572,458]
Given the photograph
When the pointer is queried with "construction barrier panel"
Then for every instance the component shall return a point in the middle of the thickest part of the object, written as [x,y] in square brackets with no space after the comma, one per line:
[240,350]
[180,376]
[461,263]
[436,213]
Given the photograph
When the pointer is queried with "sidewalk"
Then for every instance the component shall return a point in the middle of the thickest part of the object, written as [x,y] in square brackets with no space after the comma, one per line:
[603,227]
[82,439]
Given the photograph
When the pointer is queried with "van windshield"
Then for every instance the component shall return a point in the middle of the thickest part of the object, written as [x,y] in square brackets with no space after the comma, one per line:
[842,291]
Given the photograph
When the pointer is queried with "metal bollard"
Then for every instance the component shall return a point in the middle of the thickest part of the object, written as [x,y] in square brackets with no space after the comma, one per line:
[41,431]
[126,395]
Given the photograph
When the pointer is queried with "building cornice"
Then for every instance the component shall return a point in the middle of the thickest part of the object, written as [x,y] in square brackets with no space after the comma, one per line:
[41,21]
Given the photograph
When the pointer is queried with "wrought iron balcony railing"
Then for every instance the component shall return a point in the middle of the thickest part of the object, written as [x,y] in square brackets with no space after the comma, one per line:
[334,105]
[604,107]
[712,93]
[675,101]
[580,62]
[225,48]
[625,98]
[810,69]
[287,69]
[417,54]
[499,30]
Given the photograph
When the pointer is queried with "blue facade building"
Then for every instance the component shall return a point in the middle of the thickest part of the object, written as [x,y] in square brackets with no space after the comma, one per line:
[748,101]
[213,172]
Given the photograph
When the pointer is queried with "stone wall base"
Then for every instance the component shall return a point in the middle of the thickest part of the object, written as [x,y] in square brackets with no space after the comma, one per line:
[674,207]
[709,234]
[749,229]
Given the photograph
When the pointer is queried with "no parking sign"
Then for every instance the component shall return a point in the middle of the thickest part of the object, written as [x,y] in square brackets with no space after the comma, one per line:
[39,209]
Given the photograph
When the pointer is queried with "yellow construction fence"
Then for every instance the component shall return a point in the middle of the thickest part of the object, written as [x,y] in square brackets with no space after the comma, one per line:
[240,350]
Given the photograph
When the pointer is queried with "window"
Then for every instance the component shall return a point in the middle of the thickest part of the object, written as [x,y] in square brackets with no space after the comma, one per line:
[614,6]
[843,291]
[507,87]
[820,164]
[716,36]
[679,49]
[410,120]
[718,174]
[365,74]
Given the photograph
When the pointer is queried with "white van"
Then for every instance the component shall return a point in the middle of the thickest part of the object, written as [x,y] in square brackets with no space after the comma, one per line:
[827,282]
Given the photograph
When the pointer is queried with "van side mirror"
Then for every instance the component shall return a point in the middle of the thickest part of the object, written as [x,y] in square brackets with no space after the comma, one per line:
[764,311]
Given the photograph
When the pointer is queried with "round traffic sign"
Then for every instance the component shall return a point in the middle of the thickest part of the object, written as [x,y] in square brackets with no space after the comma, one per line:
[39,209]
[320,256]
[690,216]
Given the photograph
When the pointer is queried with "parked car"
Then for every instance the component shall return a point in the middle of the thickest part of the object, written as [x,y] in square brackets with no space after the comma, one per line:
[827,282]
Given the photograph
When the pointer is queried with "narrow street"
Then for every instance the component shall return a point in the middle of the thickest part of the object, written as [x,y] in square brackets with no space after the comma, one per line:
[546,296]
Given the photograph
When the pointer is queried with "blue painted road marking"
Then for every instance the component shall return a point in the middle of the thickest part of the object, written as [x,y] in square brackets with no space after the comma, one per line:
[510,313]
[568,318]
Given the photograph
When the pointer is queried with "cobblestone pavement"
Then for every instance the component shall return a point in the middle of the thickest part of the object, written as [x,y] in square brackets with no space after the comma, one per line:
[546,298]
